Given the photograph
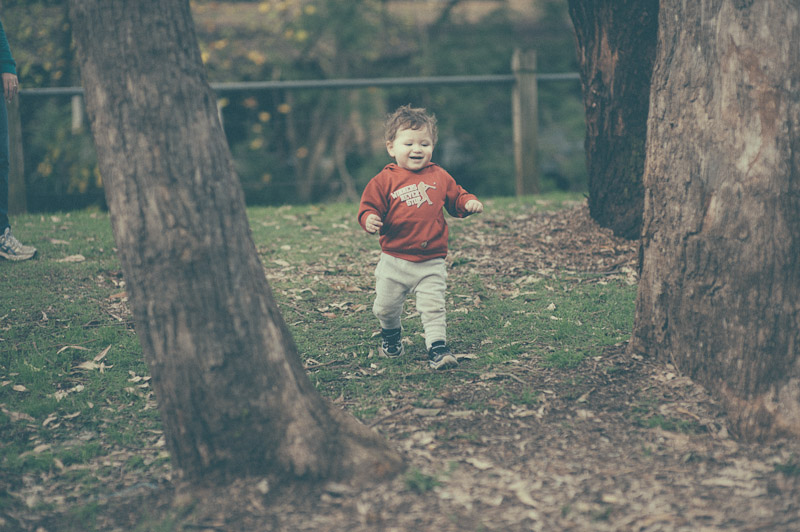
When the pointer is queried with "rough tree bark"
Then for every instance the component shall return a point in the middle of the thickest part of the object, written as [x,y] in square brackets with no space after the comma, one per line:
[616,48]
[232,392]
[719,293]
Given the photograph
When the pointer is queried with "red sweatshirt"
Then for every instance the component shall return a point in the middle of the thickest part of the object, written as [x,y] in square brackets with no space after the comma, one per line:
[410,206]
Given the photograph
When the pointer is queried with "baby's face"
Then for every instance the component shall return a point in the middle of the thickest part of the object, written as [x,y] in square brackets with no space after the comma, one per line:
[412,149]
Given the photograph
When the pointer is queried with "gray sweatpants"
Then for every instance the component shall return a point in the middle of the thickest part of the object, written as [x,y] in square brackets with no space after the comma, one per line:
[396,278]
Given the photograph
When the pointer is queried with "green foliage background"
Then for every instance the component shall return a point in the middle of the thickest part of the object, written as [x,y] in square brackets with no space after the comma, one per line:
[314,145]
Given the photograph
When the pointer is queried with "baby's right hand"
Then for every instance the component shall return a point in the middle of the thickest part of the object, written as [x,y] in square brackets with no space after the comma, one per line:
[373,223]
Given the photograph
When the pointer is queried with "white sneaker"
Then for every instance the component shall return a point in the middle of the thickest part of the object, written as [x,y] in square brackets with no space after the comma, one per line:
[12,249]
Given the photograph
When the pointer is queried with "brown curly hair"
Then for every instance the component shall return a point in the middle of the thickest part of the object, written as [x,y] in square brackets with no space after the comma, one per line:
[407,117]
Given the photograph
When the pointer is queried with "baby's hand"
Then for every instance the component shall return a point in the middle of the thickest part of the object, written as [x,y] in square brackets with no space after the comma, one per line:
[373,223]
[473,206]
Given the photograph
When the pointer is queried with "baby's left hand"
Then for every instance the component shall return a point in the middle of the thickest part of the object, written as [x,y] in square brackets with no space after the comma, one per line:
[473,206]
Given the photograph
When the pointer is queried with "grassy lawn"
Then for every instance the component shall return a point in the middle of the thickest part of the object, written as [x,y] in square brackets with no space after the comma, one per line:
[77,415]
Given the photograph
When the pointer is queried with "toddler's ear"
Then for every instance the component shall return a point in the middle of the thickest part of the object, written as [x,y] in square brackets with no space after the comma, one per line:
[390,148]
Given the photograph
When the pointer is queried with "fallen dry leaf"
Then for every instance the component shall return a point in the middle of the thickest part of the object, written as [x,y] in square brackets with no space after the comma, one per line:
[81,348]
[16,416]
[89,365]
[479,463]
[72,258]
[102,354]
[523,492]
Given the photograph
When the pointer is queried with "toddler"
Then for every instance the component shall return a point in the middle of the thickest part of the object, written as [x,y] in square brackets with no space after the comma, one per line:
[404,202]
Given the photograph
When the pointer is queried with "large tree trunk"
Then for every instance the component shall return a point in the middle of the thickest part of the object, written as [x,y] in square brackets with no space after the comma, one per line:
[231,389]
[719,293]
[616,49]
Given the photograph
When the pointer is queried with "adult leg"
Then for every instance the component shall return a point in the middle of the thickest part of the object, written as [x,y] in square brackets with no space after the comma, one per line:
[4,166]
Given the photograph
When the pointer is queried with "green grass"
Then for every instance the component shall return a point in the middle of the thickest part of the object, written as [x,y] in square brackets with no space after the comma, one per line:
[75,403]
[644,413]
[420,482]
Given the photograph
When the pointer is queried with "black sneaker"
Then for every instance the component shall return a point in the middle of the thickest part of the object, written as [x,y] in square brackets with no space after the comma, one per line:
[391,346]
[12,249]
[440,356]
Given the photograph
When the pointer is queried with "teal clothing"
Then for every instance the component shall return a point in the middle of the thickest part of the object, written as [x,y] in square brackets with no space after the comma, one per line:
[7,63]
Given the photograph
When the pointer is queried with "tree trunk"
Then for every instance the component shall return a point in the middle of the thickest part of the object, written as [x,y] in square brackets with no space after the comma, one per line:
[616,49]
[232,392]
[719,293]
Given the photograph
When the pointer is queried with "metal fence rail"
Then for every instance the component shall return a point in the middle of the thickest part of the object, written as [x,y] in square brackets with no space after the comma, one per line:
[239,86]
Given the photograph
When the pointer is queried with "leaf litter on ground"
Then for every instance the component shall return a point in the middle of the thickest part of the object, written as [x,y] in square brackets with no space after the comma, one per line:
[548,423]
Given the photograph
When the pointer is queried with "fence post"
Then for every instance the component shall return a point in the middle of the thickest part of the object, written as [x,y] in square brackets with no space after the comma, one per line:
[17,202]
[77,113]
[525,121]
